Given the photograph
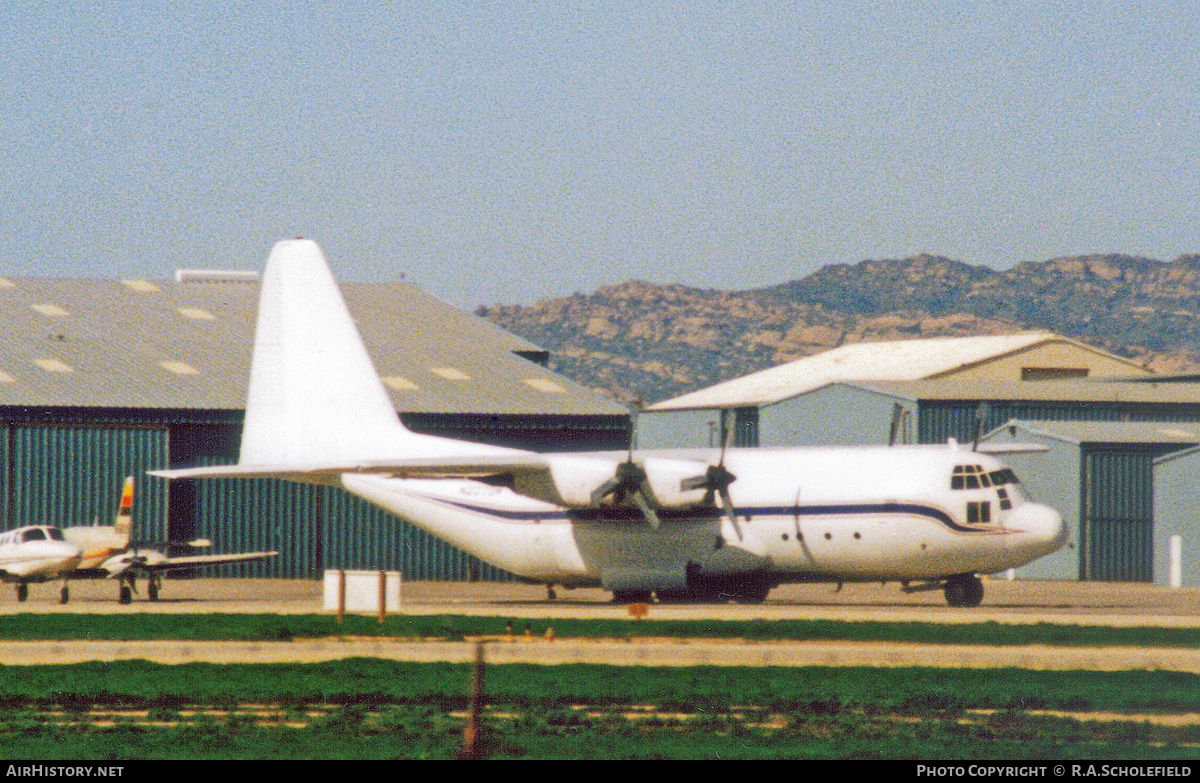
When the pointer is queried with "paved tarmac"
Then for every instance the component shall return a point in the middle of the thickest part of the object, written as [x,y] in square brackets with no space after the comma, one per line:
[1005,602]
[1088,603]
[633,652]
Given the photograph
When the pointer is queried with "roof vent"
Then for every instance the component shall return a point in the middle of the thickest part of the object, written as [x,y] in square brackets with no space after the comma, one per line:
[214,276]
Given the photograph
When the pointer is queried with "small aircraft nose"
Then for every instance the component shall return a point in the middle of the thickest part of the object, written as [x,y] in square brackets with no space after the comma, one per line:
[75,553]
[61,550]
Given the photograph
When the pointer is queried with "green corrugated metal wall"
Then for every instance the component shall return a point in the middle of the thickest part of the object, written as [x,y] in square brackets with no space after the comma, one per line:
[939,420]
[72,475]
[66,467]
[255,515]
[1118,515]
[315,528]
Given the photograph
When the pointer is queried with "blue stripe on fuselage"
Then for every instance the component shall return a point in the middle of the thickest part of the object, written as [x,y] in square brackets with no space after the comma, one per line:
[619,514]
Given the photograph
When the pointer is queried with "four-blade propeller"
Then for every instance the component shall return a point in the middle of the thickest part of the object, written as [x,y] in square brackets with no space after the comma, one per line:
[630,483]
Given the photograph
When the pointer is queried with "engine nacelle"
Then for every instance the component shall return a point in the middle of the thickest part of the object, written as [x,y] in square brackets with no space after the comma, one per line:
[645,577]
[576,479]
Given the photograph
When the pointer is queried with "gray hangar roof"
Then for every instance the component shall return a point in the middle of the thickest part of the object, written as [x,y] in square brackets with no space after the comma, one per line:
[1039,391]
[1106,432]
[897,360]
[186,344]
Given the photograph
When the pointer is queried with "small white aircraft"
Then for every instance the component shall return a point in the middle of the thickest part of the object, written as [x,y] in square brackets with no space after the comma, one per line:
[36,553]
[681,525]
[108,554]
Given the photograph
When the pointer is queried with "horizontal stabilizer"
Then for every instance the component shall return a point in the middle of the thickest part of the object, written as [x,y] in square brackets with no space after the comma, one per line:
[566,479]
[467,466]
[1011,448]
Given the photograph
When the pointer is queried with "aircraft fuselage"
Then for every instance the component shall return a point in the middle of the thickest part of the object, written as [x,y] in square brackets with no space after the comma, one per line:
[832,514]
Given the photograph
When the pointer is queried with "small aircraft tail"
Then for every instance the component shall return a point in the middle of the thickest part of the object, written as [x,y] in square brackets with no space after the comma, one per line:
[123,522]
[314,396]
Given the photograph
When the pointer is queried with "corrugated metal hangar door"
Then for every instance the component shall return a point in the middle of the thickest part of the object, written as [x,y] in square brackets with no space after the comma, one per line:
[72,475]
[1118,516]
[314,528]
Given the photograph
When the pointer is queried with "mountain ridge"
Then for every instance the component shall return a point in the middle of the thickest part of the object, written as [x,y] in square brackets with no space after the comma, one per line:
[637,340]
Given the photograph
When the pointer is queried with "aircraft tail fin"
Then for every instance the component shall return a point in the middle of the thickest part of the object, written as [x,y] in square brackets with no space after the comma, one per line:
[123,522]
[314,395]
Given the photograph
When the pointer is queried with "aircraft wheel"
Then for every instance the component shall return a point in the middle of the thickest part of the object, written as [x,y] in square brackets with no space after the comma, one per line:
[152,590]
[751,593]
[64,595]
[631,596]
[22,591]
[964,591]
[126,595]
[678,596]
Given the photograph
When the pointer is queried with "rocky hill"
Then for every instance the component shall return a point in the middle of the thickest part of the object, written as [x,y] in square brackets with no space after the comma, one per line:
[639,340]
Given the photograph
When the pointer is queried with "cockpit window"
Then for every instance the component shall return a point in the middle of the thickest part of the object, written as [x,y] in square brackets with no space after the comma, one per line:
[974,477]
[1004,476]
[967,477]
[979,513]
[55,534]
[36,534]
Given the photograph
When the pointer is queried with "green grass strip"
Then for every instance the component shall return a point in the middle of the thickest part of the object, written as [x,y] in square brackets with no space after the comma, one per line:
[273,627]
[812,690]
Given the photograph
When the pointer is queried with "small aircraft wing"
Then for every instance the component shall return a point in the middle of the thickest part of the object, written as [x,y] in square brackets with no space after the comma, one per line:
[195,561]
[147,561]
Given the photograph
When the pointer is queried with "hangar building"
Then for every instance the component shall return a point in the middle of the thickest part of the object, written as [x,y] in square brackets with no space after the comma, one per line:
[805,401]
[1104,431]
[1176,476]
[100,379]
[1107,480]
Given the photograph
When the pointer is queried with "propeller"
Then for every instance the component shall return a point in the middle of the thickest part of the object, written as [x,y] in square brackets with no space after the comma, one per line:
[629,482]
[897,415]
[717,478]
[630,479]
[981,414]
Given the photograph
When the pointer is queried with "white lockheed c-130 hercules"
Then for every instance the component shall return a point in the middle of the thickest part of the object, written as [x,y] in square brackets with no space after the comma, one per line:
[679,524]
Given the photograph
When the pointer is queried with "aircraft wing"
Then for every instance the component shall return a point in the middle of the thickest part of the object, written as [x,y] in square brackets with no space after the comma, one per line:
[196,561]
[153,561]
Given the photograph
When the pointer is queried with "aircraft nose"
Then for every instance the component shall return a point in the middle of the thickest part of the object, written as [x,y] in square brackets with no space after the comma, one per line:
[66,550]
[1042,525]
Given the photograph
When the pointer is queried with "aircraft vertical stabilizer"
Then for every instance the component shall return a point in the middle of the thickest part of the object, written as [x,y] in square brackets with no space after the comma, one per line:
[314,395]
[124,519]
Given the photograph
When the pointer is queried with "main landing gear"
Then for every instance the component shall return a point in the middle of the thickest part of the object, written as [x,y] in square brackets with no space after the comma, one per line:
[64,595]
[129,587]
[740,591]
[963,590]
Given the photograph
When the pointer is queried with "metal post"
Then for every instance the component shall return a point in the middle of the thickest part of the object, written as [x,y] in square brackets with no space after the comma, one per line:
[341,595]
[472,749]
[382,595]
[1175,543]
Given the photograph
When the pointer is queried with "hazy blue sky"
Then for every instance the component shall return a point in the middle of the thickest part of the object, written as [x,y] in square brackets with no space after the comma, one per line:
[502,152]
